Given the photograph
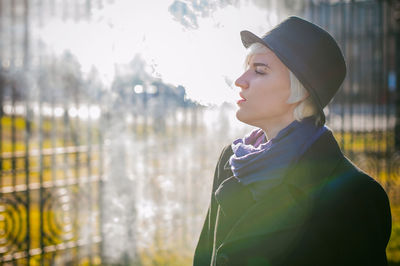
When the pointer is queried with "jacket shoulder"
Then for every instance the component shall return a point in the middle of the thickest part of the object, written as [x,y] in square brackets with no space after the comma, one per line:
[349,177]
[225,155]
[358,200]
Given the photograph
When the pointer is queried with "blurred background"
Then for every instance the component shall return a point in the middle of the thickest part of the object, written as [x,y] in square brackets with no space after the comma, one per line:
[113,114]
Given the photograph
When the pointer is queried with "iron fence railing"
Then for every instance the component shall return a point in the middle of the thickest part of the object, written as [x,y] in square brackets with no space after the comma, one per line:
[50,163]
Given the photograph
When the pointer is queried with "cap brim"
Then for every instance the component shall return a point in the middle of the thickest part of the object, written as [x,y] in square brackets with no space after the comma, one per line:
[249,38]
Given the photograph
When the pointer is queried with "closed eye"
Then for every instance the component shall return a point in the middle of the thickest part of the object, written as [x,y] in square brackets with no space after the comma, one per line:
[258,72]
[262,70]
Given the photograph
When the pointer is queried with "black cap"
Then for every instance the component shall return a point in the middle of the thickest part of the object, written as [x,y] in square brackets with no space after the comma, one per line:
[310,53]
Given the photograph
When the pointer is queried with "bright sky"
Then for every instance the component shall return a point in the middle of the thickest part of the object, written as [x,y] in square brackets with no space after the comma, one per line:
[205,59]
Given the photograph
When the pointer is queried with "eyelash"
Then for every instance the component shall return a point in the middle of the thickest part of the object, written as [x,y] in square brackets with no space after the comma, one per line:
[259,73]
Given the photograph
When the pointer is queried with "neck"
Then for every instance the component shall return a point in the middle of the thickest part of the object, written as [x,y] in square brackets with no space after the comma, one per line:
[272,128]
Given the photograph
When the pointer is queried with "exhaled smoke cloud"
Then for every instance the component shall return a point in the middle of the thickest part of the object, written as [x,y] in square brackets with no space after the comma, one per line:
[187,12]
[184,14]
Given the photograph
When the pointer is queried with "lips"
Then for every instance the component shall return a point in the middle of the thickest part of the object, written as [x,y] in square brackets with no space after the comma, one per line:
[243,99]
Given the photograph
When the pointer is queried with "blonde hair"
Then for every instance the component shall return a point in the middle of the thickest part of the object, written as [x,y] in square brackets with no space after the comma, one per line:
[298,93]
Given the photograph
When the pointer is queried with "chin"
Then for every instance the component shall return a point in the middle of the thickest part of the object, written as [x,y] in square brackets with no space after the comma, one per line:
[241,116]
[238,115]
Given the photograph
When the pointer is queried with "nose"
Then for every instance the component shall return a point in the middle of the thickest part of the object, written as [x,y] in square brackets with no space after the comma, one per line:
[242,82]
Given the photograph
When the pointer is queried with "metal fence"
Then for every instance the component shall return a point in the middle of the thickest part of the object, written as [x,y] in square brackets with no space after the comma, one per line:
[51,161]
[69,154]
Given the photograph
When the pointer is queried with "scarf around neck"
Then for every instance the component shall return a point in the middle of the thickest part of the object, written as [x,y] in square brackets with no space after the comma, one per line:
[261,164]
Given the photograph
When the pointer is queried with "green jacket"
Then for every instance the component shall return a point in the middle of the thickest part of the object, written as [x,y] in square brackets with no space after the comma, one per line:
[325,212]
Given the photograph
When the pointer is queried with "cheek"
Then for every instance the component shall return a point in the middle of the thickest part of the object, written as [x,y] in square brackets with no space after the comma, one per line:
[275,95]
[281,88]
[283,96]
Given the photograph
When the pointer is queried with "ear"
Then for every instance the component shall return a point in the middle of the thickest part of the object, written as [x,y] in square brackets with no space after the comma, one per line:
[307,94]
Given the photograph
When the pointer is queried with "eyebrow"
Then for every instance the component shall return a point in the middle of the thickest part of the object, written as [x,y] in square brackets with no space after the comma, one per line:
[260,64]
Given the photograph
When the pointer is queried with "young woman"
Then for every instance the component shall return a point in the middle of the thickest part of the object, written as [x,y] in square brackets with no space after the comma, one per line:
[285,194]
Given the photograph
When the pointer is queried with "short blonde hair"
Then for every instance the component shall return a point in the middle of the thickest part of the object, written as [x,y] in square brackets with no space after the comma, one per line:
[298,93]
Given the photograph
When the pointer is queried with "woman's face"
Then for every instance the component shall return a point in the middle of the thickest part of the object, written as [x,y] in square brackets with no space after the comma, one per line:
[265,89]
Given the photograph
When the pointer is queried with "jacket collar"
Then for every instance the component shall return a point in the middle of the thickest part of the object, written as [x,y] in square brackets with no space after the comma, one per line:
[318,161]
[316,164]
